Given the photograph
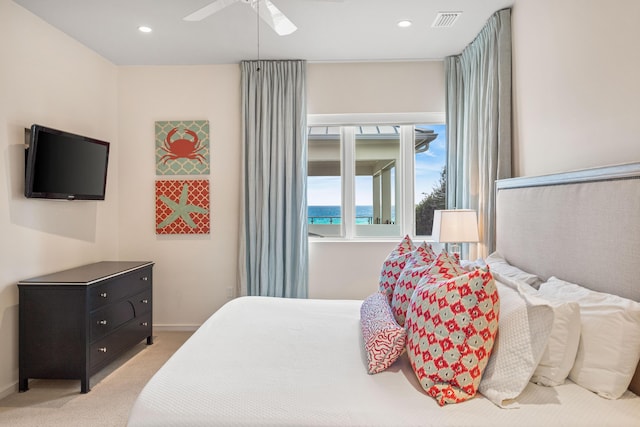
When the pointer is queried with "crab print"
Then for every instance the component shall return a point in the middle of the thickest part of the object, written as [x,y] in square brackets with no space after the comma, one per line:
[182,148]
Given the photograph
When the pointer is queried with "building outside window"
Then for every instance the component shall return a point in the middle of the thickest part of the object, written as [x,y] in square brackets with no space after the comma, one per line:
[375,180]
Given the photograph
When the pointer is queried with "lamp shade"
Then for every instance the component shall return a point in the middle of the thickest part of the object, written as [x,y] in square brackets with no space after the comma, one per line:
[455,226]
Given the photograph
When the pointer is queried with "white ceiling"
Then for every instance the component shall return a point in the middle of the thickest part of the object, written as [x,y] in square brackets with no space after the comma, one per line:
[328,30]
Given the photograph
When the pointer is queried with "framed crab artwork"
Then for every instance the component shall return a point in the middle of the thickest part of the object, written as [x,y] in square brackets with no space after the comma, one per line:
[182,147]
[182,206]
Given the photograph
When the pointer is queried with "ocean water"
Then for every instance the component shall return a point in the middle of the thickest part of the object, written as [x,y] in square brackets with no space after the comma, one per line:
[332,214]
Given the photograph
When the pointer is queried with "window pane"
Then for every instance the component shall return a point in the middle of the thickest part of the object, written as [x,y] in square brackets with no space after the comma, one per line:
[430,175]
[324,183]
[364,204]
[377,154]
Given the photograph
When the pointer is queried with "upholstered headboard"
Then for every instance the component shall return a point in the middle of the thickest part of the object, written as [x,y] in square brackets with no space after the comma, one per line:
[582,226]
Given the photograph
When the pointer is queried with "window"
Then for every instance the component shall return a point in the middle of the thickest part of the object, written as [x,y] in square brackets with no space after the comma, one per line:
[430,175]
[324,181]
[377,189]
[375,179]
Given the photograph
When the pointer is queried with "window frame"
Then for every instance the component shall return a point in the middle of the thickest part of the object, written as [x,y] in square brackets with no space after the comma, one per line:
[405,210]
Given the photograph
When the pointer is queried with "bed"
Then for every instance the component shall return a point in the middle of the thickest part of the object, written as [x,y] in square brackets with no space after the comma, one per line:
[268,361]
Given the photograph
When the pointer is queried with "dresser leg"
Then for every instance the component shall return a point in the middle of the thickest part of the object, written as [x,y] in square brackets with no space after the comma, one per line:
[150,340]
[84,385]
[23,385]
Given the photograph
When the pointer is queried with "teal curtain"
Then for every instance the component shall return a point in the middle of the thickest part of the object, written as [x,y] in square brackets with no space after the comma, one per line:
[274,242]
[478,98]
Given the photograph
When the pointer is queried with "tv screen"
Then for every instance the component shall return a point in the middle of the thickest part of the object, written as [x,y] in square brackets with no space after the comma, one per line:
[62,165]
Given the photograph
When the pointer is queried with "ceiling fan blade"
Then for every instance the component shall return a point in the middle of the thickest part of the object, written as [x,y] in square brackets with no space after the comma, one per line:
[209,10]
[273,17]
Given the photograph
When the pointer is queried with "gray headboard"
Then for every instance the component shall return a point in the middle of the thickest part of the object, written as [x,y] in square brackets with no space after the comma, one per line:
[582,226]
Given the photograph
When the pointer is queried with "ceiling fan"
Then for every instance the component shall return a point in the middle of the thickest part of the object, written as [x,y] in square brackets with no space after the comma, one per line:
[268,12]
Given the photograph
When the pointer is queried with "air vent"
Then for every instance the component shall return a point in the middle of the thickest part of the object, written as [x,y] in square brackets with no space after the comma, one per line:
[445,19]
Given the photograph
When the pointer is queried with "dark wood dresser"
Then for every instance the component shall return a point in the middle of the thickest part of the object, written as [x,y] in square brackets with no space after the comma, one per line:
[75,322]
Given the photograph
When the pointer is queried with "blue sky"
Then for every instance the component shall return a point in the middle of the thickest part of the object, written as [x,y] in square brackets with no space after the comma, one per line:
[429,164]
[323,191]
[326,190]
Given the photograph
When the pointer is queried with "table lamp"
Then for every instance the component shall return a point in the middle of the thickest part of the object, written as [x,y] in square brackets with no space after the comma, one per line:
[455,226]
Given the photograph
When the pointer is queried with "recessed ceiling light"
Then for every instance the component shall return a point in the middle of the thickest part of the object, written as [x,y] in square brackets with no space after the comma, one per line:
[404,24]
[144,29]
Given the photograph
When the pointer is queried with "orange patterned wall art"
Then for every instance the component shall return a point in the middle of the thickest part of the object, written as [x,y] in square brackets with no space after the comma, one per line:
[182,206]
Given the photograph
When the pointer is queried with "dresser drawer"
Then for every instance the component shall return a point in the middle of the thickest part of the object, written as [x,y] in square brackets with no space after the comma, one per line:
[106,349]
[106,319]
[119,287]
[141,303]
[111,317]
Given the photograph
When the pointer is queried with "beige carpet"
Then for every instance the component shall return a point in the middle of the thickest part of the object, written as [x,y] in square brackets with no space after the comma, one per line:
[113,391]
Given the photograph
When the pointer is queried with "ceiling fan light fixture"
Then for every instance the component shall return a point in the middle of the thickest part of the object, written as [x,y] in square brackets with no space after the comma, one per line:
[266,10]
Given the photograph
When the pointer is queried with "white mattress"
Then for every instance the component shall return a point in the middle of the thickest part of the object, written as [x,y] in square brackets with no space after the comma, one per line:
[267,361]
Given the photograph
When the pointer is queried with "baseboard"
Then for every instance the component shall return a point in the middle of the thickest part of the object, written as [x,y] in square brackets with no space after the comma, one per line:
[9,390]
[175,328]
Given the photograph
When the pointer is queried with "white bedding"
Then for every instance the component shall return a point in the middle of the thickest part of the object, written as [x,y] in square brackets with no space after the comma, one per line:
[268,361]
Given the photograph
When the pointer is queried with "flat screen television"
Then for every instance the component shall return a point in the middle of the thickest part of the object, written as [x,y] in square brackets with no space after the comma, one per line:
[63,165]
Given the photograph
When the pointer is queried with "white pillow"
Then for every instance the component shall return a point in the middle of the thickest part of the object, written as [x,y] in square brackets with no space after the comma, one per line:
[560,353]
[523,331]
[609,347]
[472,265]
[500,267]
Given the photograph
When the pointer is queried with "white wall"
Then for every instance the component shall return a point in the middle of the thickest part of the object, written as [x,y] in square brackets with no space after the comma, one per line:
[192,274]
[375,87]
[576,86]
[347,270]
[47,78]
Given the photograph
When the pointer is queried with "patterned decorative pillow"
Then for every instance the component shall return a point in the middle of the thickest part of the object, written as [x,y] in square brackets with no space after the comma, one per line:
[423,271]
[451,328]
[405,246]
[393,266]
[425,253]
[384,339]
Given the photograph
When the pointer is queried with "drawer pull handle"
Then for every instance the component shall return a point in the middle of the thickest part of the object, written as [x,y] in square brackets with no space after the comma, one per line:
[144,301]
[103,294]
[102,322]
[144,278]
[144,324]
[102,349]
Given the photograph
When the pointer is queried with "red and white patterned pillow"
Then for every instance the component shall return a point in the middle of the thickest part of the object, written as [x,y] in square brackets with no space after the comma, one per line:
[425,253]
[421,271]
[393,266]
[384,339]
[451,328]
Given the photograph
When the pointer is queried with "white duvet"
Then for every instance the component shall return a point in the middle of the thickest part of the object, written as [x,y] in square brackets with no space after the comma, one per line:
[262,361]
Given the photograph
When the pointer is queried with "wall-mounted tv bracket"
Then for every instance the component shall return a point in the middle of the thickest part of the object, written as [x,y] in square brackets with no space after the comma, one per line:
[27,138]
[27,141]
